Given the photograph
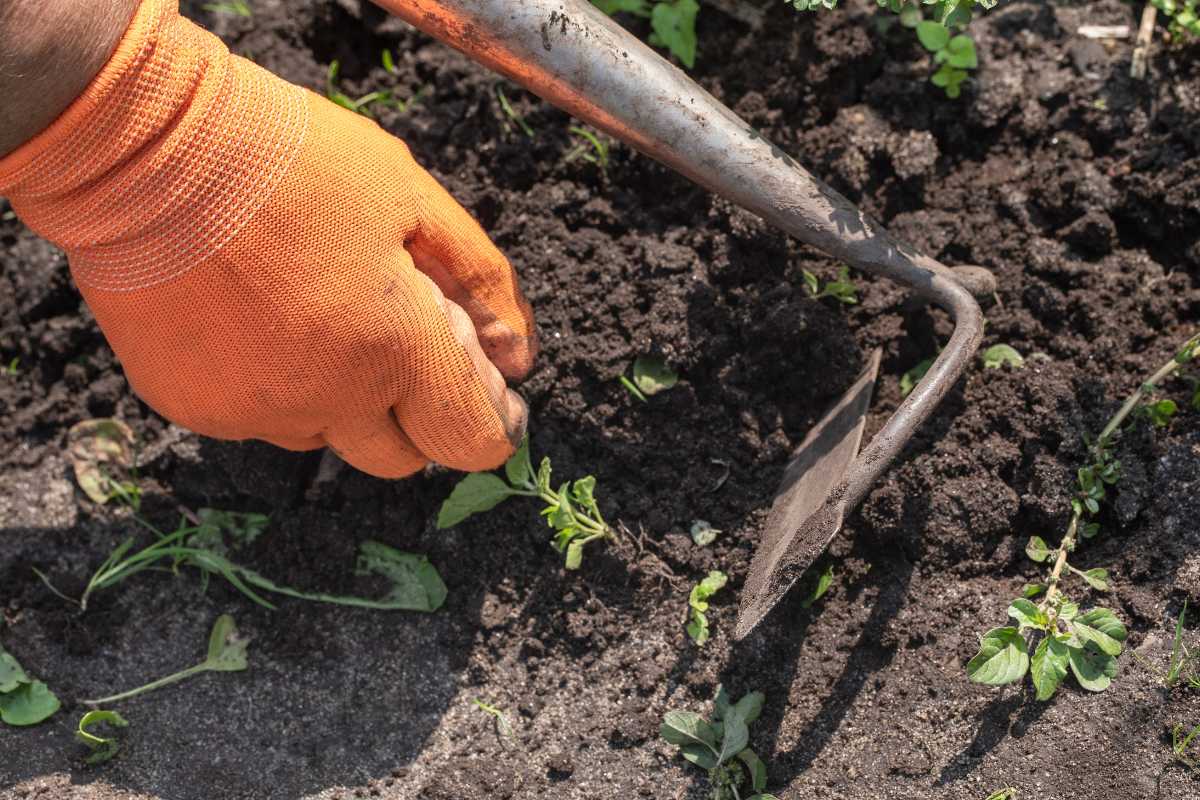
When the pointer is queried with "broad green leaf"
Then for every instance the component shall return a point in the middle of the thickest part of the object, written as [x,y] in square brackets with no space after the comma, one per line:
[1097,578]
[479,491]
[574,555]
[103,747]
[226,649]
[101,453]
[734,738]
[1003,657]
[699,755]
[712,583]
[11,674]
[697,629]
[910,379]
[563,515]
[1037,549]
[756,768]
[1027,614]
[1102,628]
[998,354]
[519,468]
[583,491]
[416,584]
[962,56]
[1032,589]
[1068,611]
[687,727]
[750,706]
[674,25]
[1093,669]
[1048,667]
[652,375]
[28,704]
[933,35]
[721,704]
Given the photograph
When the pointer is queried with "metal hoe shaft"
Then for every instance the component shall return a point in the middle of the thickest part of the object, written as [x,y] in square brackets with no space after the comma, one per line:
[574,56]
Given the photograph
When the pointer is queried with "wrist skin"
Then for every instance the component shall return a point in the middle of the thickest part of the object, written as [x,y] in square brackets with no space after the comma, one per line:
[52,50]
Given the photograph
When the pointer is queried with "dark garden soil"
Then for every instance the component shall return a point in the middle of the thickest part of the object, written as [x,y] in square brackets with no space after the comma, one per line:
[1077,186]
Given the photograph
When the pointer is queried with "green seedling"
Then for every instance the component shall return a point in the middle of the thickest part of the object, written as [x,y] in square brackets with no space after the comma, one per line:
[236,8]
[389,63]
[1184,15]
[673,23]
[721,746]
[511,113]
[23,700]
[226,653]
[415,583]
[383,98]
[597,154]
[103,747]
[703,533]
[571,511]
[697,628]
[1085,643]
[842,289]
[1181,743]
[651,375]
[502,726]
[1183,666]
[910,379]
[1159,413]
[1007,793]
[954,54]
[998,355]
[824,581]
[11,369]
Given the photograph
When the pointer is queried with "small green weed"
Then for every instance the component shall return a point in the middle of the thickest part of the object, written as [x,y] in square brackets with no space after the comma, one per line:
[824,581]
[841,289]
[572,510]
[1007,793]
[672,22]
[236,8]
[721,746]
[384,98]
[954,54]
[1183,666]
[415,583]
[1181,744]
[703,533]
[13,366]
[23,700]
[103,747]
[593,149]
[1086,643]
[1159,412]
[226,653]
[998,355]
[701,593]
[388,61]
[511,113]
[502,726]
[1184,15]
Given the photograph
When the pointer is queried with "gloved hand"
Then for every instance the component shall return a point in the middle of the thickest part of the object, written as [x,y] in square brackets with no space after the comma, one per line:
[269,265]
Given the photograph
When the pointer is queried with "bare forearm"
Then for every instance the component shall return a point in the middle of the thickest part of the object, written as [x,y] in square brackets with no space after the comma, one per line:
[51,51]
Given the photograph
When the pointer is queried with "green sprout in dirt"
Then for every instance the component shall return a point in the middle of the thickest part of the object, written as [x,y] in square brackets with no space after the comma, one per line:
[651,375]
[672,22]
[910,379]
[226,653]
[512,114]
[103,747]
[1007,793]
[384,98]
[205,540]
[1183,665]
[11,369]
[720,746]
[820,587]
[502,727]
[593,149]
[701,593]
[1184,14]
[1181,746]
[842,289]
[998,355]
[235,8]
[23,700]
[572,510]
[955,54]
[1085,643]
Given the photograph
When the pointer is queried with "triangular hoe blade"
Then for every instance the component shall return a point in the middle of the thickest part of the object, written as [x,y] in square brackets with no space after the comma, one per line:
[808,507]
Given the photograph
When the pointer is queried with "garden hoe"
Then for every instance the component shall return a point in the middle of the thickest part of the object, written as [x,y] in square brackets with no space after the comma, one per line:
[574,56]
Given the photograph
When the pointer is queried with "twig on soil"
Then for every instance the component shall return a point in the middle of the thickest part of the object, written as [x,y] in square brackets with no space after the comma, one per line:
[1145,39]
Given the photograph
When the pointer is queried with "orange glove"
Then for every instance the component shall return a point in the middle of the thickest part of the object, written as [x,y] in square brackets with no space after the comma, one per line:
[269,265]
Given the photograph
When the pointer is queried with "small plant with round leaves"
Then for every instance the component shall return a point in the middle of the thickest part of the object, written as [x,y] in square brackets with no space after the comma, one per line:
[1085,643]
